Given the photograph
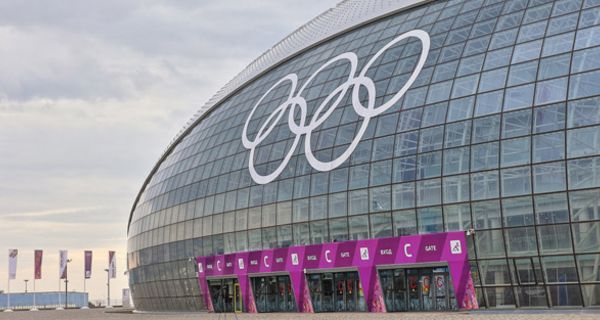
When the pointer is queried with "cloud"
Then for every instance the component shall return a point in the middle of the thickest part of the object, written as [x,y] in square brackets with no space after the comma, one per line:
[90,95]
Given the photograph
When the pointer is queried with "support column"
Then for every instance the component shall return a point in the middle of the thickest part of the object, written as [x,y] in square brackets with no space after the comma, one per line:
[205,293]
[301,292]
[462,281]
[371,289]
[247,294]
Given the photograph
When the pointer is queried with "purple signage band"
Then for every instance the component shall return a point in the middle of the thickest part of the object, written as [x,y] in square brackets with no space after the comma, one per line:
[364,255]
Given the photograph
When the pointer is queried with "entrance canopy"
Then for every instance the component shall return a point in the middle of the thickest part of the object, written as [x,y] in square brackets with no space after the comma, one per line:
[363,255]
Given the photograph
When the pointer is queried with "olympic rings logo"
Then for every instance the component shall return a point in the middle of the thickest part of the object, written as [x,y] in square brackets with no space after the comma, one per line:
[296,102]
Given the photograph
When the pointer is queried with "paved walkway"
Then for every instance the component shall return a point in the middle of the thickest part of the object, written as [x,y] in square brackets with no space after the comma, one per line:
[483,315]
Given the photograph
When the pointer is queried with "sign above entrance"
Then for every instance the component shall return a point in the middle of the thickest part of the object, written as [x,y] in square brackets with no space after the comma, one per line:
[364,255]
[298,105]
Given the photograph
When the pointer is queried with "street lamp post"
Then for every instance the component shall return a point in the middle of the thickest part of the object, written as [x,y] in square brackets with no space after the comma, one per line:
[26,280]
[108,290]
[67,283]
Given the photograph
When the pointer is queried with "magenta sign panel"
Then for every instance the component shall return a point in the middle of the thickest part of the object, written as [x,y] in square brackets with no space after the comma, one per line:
[364,255]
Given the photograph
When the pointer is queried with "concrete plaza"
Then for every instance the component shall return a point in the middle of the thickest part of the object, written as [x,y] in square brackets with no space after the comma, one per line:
[117,314]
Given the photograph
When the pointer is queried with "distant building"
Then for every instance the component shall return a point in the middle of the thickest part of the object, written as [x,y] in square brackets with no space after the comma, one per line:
[43,300]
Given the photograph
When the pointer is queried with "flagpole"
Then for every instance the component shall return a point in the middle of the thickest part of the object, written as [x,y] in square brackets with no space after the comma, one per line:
[59,303]
[34,304]
[84,291]
[8,309]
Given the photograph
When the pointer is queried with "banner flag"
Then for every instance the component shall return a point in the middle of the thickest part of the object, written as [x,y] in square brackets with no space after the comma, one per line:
[64,256]
[88,264]
[12,263]
[37,274]
[112,265]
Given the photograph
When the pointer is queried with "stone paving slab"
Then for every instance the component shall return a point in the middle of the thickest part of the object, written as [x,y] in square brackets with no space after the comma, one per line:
[479,315]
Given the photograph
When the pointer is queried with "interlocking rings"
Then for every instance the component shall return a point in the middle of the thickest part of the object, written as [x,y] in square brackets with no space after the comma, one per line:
[296,102]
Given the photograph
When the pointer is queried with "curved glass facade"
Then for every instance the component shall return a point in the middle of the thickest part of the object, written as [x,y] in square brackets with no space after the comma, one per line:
[499,133]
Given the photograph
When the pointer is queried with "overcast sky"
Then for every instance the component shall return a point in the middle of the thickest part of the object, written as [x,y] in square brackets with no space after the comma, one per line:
[91,92]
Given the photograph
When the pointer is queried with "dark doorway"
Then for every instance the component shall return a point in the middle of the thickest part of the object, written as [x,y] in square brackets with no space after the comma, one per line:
[423,289]
[225,295]
[273,294]
[336,291]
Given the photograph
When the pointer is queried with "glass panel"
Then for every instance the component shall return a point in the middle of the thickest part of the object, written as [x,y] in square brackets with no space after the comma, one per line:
[551,208]
[586,236]
[338,205]
[494,272]
[532,296]
[456,160]
[515,124]
[405,222]
[403,196]
[457,217]
[431,139]
[555,239]
[553,67]
[549,118]
[521,241]
[433,115]
[548,147]
[500,297]
[359,227]
[591,295]
[485,185]
[518,97]
[517,211]
[585,205]
[522,73]
[406,143]
[338,229]
[515,151]
[516,181]
[559,269]
[490,244]
[429,192]
[583,112]
[301,234]
[486,129]
[405,169]
[484,156]
[549,177]
[527,51]
[381,172]
[458,134]
[492,80]
[488,103]
[565,295]
[583,142]
[486,215]
[381,225]
[589,267]
[460,109]
[358,202]
[456,189]
[526,271]
[430,220]
[318,232]
[584,173]
[318,207]
[584,85]
[380,199]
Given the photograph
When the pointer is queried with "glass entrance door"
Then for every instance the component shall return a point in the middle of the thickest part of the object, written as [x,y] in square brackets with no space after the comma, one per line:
[423,289]
[393,284]
[273,294]
[225,294]
[336,291]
